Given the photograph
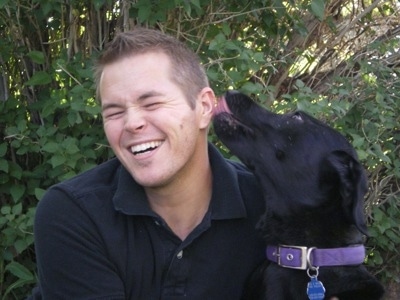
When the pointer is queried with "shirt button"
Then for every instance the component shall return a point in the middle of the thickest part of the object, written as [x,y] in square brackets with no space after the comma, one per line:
[179,255]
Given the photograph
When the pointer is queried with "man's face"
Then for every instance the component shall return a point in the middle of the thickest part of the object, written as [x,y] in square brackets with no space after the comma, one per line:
[148,121]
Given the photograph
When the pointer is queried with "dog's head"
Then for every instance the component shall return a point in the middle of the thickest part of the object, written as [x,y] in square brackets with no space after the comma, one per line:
[301,163]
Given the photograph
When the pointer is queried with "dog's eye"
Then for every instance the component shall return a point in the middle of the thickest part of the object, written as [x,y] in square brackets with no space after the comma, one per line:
[279,154]
[297,116]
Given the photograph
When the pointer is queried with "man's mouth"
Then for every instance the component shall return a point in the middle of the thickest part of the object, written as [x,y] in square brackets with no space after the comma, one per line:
[145,147]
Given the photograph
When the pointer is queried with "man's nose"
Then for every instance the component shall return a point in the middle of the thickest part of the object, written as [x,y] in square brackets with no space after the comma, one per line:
[135,120]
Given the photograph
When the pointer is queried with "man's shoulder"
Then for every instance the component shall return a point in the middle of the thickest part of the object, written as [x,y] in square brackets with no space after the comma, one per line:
[103,176]
[91,191]
[240,167]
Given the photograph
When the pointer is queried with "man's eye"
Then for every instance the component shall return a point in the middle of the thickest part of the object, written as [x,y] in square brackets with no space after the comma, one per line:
[112,115]
[153,105]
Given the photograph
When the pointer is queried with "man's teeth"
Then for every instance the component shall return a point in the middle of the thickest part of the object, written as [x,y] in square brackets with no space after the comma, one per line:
[144,147]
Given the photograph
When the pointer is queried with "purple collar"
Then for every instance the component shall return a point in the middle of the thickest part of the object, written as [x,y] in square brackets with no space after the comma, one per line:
[302,258]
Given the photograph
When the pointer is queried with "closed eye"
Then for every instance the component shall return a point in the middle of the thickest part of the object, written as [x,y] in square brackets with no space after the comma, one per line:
[114,115]
[111,113]
[152,105]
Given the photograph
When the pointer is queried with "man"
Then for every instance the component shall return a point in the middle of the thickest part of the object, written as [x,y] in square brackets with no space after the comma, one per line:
[169,217]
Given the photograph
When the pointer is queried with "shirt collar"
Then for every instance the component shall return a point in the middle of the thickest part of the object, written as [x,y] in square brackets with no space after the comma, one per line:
[226,201]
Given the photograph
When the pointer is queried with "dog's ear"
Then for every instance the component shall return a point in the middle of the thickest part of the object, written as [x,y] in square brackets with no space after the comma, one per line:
[352,186]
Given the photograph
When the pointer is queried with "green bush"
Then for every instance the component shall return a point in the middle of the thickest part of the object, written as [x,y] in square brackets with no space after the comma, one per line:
[335,60]
[44,143]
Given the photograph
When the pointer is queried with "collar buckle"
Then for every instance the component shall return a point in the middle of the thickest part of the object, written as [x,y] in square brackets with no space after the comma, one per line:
[294,257]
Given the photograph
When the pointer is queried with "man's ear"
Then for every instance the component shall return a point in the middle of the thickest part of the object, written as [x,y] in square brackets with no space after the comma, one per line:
[206,101]
[352,187]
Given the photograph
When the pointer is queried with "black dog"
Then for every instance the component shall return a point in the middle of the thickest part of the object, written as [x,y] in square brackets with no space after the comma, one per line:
[314,186]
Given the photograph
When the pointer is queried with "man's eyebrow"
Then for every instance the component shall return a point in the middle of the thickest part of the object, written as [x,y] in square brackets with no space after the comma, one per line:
[149,94]
[109,105]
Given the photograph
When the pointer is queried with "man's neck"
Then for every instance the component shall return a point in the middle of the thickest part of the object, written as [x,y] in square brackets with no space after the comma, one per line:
[183,205]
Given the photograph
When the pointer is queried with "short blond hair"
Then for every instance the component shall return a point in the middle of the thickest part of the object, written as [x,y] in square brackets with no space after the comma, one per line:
[187,71]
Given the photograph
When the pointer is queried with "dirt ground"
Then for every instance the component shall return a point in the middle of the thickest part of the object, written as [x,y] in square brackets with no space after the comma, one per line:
[392,291]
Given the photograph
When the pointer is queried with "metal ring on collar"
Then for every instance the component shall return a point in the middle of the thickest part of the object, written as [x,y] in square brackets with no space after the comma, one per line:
[315,269]
[310,266]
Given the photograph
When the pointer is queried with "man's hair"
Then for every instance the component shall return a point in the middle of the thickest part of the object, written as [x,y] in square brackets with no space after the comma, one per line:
[186,69]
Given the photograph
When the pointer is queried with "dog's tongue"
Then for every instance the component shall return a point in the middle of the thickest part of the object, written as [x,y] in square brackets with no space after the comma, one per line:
[221,106]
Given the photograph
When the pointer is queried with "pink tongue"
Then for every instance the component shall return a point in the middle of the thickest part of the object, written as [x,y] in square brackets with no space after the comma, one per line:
[221,106]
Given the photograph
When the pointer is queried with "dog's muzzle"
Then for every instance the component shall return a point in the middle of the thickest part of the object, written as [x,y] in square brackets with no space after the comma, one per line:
[303,258]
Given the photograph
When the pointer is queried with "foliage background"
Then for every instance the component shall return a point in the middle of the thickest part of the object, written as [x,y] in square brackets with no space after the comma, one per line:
[338,59]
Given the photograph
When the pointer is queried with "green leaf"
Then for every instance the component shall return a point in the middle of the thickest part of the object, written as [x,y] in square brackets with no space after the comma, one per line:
[72,149]
[393,236]
[15,170]
[259,56]
[377,258]
[17,191]
[39,193]
[57,160]
[187,7]
[19,271]
[74,118]
[4,165]
[226,29]
[231,45]
[37,57]
[51,147]
[39,78]
[16,285]
[358,140]
[5,210]
[3,149]
[218,42]
[318,8]
[299,84]
[93,110]
[20,246]
[3,221]
[17,209]
[144,10]
[98,4]
[378,214]
[48,109]
[3,3]
[196,3]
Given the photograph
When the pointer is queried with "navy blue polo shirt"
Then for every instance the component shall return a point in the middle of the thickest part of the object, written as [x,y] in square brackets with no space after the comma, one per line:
[97,238]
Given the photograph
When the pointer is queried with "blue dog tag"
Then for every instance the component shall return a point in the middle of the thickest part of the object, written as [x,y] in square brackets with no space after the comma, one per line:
[315,289]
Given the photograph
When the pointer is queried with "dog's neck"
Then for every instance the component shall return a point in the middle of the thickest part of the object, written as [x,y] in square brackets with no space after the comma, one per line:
[313,229]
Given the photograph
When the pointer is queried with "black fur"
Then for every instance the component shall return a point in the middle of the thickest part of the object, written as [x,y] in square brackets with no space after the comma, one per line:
[314,190]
